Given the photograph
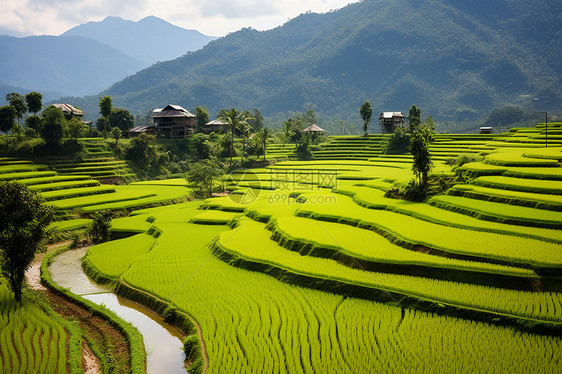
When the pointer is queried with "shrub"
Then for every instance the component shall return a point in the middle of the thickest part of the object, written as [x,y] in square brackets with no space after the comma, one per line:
[398,142]
[204,174]
[411,192]
[100,229]
[465,158]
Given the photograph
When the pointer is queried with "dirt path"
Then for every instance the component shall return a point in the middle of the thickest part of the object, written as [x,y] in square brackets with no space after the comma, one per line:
[90,362]
[109,339]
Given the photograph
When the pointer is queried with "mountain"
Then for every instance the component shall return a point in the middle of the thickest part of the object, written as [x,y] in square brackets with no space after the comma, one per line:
[149,40]
[455,59]
[74,66]
[89,58]
[6,89]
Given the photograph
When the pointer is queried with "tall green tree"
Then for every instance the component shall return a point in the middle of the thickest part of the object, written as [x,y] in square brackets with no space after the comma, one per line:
[419,148]
[23,222]
[106,106]
[256,122]
[234,119]
[75,128]
[287,131]
[121,118]
[430,123]
[52,129]
[34,102]
[263,135]
[366,113]
[245,132]
[414,117]
[7,118]
[201,117]
[33,122]
[18,102]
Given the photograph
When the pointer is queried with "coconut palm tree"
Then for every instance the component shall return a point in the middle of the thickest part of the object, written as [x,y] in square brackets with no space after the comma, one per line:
[234,119]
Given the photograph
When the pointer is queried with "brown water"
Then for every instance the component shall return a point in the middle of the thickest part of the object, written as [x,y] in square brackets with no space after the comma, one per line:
[162,341]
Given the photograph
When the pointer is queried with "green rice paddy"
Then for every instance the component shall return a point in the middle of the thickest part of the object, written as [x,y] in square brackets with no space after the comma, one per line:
[34,341]
[307,267]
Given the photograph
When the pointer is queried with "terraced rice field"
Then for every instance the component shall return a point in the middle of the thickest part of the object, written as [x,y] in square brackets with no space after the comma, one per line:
[98,163]
[352,148]
[32,341]
[308,267]
[73,191]
[253,322]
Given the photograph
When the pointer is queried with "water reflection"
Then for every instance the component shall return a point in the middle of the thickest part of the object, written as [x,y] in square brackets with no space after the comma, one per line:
[162,342]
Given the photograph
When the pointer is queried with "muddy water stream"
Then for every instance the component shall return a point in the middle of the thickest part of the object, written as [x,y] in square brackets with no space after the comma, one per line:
[162,342]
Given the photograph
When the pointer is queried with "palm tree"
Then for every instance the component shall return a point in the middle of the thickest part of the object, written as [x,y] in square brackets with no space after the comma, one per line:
[264,136]
[234,120]
[245,132]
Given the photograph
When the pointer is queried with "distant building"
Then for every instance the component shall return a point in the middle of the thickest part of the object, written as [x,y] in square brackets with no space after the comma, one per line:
[213,126]
[137,130]
[390,121]
[173,122]
[70,111]
[486,130]
[313,129]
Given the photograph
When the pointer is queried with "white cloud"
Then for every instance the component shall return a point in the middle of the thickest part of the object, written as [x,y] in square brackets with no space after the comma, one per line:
[212,17]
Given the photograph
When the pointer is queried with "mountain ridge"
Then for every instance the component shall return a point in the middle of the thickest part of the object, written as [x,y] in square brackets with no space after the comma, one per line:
[143,39]
[73,65]
[393,53]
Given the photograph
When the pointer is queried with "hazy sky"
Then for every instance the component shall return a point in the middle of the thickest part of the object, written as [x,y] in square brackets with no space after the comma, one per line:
[211,17]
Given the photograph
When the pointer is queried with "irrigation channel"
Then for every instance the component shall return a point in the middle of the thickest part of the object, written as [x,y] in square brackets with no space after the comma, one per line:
[162,342]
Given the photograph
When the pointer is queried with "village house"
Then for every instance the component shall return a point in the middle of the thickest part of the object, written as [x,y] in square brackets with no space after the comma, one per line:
[390,121]
[137,130]
[213,126]
[173,122]
[70,111]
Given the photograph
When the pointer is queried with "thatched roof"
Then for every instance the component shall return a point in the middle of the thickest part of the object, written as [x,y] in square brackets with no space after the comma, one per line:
[313,128]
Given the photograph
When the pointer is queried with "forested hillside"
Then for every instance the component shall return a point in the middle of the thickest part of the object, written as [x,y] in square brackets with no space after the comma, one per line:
[457,60]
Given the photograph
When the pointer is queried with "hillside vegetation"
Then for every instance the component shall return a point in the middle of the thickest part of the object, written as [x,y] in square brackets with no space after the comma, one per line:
[457,60]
